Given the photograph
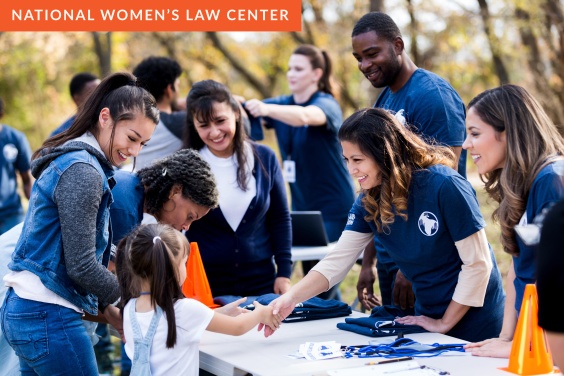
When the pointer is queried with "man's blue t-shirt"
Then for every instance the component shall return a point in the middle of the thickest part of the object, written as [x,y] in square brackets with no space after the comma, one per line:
[547,189]
[432,106]
[15,155]
[322,180]
[442,209]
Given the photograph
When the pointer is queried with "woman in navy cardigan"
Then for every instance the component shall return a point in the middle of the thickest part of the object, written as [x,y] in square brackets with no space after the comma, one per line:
[246,242]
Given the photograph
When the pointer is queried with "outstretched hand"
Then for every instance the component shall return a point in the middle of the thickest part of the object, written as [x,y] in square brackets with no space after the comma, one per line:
[269,320]
[281,306]
[233,309]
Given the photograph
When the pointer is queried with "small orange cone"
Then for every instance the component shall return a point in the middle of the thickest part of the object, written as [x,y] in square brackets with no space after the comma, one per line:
[196,285]
[530,354]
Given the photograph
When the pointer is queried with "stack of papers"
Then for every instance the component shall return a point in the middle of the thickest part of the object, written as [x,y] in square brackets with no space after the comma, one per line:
[319,350]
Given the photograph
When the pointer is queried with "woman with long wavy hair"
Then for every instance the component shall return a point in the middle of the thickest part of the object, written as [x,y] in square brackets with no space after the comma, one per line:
[516,148]
[428,218]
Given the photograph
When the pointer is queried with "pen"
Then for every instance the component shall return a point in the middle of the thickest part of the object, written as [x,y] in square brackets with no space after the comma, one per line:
[389,361]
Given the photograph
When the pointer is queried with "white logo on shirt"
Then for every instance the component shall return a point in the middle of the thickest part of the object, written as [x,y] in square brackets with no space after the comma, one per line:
[400,117]
[428,223]
[10,152]
[350,221]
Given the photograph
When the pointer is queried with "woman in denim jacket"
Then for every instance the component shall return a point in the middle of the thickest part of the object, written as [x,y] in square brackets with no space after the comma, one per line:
[58,268]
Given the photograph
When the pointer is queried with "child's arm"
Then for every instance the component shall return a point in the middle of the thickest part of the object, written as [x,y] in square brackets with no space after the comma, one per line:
[241,324]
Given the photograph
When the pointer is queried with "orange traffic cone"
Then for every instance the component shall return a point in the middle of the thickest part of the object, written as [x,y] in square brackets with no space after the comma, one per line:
[196,285]
[530,354]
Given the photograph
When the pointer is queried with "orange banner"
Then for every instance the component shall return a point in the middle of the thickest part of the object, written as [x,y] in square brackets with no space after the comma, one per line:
[151,15]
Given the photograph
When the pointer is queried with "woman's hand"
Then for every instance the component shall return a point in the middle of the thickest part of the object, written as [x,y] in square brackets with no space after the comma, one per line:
[256,108]
[269,320]
[493,347]
[281,306]
[427,323]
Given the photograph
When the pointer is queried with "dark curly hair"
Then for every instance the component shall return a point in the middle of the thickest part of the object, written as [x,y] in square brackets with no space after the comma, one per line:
[185,168]
[79,81]
[155,73]
[378,22]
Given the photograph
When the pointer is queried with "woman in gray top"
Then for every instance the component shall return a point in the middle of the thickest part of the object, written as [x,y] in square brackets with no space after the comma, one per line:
[58,271]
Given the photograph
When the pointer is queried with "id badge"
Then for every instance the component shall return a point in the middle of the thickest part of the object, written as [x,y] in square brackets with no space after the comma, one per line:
[289,171]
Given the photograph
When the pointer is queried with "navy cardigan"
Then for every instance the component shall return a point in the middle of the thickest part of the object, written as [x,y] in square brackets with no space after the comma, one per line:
[247,261]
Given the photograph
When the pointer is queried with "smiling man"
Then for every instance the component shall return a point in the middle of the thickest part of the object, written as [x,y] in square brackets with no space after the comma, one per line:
[420,99]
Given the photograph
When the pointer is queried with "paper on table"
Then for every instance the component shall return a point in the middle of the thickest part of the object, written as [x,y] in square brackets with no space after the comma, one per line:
[389,369]
[319,350]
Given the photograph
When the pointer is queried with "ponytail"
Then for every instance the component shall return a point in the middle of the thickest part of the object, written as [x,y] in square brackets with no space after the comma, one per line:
[318,59]
[118,92]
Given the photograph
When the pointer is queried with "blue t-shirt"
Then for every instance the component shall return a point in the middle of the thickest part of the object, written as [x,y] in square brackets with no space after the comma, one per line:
[547,188]
[322,180]
[442,209]
[433,107]
[430,105]
[15,155]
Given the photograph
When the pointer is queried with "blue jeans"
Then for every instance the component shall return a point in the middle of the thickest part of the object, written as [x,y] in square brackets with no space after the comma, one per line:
[49,339]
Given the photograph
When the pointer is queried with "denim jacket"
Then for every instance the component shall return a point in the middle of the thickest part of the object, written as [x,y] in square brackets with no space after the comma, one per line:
[39,249]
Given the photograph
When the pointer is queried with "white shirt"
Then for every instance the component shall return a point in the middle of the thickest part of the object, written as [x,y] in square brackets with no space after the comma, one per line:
[233,201]
[192,318]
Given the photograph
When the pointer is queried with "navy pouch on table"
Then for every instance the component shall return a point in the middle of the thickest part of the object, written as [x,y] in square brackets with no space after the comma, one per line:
[311,309]
[380,323]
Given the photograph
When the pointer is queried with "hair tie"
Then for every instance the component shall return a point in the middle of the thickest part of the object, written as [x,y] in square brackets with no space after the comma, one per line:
[164,171]
[132,82]
[155,239]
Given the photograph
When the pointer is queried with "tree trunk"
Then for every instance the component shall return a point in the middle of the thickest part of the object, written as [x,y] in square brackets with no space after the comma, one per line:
[377,6]
[264,90]
[413,32]
[544,91]
[494,43]
[555,41]
[103,49]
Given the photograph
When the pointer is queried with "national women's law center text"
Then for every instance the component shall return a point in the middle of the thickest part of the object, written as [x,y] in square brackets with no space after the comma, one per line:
[149,15]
